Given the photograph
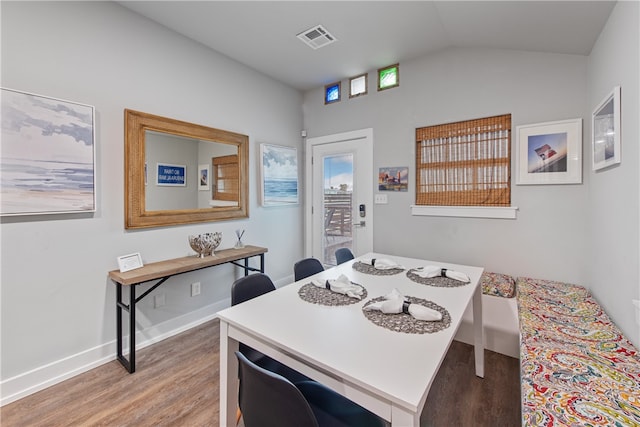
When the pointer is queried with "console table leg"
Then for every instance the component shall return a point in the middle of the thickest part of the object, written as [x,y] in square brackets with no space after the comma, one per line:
[119,320]
[132,329]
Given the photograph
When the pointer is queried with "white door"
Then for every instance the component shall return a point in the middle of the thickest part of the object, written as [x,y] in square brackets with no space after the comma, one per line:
[340,183]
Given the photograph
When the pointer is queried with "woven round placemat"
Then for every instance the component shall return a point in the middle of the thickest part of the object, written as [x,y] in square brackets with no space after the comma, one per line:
[370,269]
[316,295]
[443,282]
[406,323]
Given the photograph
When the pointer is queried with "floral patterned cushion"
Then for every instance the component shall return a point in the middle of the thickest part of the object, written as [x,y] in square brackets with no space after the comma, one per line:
[497,284]
[576,366]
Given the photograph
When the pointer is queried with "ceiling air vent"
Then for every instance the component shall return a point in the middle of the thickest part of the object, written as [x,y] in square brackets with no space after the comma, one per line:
[316,37]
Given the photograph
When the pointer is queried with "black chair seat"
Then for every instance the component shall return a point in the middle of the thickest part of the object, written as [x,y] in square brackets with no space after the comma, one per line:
[270,400]
[333,409]
[244,289]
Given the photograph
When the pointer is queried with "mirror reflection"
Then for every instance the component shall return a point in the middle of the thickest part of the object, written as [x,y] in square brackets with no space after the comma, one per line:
[179,173]
[200,174]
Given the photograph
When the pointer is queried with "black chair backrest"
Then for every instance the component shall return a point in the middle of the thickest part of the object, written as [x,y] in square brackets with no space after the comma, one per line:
[343,255]
[306,267]
[270,400]
[251,286]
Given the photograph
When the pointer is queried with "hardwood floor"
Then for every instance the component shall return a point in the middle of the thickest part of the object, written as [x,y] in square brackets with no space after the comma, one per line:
[176,384]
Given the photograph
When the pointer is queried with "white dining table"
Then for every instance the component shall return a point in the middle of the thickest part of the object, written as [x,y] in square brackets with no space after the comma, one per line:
[387,372]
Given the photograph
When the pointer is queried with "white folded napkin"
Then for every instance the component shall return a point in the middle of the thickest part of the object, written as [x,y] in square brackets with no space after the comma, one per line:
[381,263]
[341,285]
[435,271]
[395,303]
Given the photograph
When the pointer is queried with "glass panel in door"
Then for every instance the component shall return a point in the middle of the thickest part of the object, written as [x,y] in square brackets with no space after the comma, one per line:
[337,205]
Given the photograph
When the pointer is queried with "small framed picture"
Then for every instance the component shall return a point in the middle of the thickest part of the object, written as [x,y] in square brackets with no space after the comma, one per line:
[605,126]
[129,262]
[393,179]
[169,175]
[203,177]
[549,153]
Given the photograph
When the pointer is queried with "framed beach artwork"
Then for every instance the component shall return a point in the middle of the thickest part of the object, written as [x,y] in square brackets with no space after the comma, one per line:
[605,126]
[279,175]
[47,163]
[549,153]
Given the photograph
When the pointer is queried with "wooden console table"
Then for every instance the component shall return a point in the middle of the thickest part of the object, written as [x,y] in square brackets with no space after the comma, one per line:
[162,271]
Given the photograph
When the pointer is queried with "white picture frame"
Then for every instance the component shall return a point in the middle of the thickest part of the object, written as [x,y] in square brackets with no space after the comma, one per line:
[549,153]
[605,131]
[278,175]
[129,262]
[204,178]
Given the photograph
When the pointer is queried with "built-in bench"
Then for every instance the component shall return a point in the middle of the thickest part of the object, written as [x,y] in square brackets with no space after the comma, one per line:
[499,316]
[577,368]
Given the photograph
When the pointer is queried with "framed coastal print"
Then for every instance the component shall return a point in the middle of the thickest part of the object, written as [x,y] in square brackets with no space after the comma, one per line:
[279,175]
[549,153]
[47,165]
[203,177]
[605,127]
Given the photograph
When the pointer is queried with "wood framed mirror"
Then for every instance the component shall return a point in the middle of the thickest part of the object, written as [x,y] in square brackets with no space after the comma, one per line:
[181,173]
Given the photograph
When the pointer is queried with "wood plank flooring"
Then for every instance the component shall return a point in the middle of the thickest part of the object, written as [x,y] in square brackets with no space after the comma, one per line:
[176,384]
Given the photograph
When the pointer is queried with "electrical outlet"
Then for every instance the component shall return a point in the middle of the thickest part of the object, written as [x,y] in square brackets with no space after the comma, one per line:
[159,300]
[195,289]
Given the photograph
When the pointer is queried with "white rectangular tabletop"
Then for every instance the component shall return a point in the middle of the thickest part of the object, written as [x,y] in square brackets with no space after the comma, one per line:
[387,372]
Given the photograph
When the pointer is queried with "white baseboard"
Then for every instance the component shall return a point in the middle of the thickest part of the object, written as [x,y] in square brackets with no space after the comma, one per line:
[45,376]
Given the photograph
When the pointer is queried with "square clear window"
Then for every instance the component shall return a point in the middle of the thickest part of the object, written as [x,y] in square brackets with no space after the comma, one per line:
[358,86]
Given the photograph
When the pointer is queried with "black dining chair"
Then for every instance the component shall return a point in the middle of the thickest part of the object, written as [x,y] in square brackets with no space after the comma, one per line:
[270,400]
[306,267]
[244,289]
[343,255]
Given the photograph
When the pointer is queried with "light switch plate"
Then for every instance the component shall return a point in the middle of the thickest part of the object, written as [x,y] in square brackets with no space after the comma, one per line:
[381,199]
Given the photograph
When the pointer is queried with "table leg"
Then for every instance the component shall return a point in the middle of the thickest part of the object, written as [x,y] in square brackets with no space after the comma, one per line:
[478,331]
[228,377]
[246,267]
[261,263]
[401,418]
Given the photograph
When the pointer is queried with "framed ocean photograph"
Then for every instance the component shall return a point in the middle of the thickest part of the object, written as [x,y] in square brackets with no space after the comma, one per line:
[549,153]
[47,163]
[279,175]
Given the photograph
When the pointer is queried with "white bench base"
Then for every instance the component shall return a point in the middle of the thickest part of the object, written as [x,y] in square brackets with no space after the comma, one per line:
[500,321]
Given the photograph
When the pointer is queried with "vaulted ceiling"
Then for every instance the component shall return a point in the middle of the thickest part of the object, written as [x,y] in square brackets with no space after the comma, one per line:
[373,34]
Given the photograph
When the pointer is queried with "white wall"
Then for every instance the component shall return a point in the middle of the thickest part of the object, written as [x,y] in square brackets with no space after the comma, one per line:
[57,301]
[612,211]
[557,234]
[547,238]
